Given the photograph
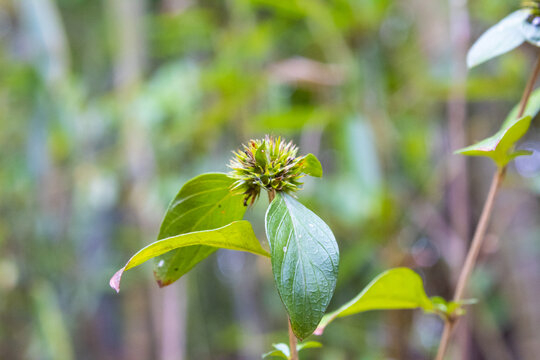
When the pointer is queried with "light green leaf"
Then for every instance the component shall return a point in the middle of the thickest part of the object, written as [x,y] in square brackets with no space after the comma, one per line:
[275,354]
[499,146]
[308,345]
[281,351]
[238,235]
[532,109]
[399,288]
[305,259]
[449,309]
[312,166]
[261,155]
[204,203]
[499,39]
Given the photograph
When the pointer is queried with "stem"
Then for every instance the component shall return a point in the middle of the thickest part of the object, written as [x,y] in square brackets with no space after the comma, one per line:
[472,255]
[271,195]
[292,343]
[478,238]
[481,228]
[528,90]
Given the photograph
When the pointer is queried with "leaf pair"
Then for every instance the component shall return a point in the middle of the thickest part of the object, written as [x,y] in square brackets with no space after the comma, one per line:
[500,147]
[206,215]
[399,288]
[203,217]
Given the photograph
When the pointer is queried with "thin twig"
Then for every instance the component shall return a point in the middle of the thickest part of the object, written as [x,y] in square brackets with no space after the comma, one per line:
[480,231]
[478,236]
[528,90]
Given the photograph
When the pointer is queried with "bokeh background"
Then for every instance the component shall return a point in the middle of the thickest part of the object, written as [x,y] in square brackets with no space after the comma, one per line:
[108,107]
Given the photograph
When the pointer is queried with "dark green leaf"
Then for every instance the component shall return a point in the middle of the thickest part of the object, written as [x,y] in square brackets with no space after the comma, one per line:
[238,235]
[312,166]
[305,259]
[399,288]
[499,146]
[204,203]
[499,39]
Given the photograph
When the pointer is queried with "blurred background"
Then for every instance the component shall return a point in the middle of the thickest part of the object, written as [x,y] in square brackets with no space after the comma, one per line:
[108,107]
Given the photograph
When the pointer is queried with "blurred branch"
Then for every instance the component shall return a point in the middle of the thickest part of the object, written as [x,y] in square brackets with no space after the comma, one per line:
[306,72]
[44,41]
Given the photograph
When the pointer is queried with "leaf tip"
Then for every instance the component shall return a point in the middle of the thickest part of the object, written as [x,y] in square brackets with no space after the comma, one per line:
[319,330]
[470,62]
[114,282]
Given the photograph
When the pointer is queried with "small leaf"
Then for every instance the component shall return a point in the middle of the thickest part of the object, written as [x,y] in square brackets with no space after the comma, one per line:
[238,235]
[499,39]
[449,309]
[284,348]
[399,288]
[305,259]
[312,166]
[273,354]
[281,351]
[532,109]
[308,345]
[205,202]
[498,147]
[261,156]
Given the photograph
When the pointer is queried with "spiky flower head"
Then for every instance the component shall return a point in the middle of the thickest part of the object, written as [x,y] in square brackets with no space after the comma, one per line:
[270,164]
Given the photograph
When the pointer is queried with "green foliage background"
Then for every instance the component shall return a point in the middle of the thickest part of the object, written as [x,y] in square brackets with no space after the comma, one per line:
[108,107]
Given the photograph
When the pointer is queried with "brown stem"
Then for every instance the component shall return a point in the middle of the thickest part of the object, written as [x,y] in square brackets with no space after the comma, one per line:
[481,228]
[472,255]
[528,90]
[271,195]
[292,343]
[480,232]
[448,327]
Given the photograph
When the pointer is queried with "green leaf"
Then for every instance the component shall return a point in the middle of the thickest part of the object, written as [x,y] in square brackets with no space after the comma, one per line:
[449,309]
[305,259]
[204,203]
[499,146]
[275,354]
[499,39]
[281,351]
[238,235]
[312,166]
[261,155]
[532,109]
[308,345]
[399,288]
